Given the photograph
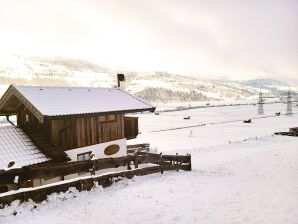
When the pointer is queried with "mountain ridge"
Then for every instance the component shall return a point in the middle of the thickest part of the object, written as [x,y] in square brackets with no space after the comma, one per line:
[153,86]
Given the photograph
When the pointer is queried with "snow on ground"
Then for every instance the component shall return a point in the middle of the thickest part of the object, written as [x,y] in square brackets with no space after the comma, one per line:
[242,173]
[211,103]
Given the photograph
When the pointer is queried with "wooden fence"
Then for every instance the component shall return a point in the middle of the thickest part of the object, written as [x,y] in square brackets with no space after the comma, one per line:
[163,163]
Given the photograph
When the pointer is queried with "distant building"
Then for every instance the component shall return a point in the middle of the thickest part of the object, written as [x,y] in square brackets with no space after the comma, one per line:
[294,131]
[56,124]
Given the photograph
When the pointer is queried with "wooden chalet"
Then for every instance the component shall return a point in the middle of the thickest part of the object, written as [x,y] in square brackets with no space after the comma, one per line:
[70,124]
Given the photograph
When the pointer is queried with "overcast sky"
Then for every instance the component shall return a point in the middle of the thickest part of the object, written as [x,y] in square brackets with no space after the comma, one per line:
[239,39]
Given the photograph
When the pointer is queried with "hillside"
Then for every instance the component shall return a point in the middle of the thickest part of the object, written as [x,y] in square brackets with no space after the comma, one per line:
[241,173]
[153,86]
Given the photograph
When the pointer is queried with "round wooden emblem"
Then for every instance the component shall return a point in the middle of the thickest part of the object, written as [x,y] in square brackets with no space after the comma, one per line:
[112,149]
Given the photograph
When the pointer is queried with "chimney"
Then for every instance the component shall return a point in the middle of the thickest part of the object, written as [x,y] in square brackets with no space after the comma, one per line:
[120,78]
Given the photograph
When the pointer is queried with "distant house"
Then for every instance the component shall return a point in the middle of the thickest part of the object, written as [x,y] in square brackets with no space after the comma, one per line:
[56,124]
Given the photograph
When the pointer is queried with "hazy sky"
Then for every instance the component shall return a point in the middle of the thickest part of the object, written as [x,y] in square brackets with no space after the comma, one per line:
[233,38]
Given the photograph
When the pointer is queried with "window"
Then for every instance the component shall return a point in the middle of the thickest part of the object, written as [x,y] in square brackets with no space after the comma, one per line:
[112,117]
[83,156]
[102,119]
[107,118]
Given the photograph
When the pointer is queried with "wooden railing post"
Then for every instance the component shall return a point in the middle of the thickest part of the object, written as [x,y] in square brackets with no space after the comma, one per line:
[136,160]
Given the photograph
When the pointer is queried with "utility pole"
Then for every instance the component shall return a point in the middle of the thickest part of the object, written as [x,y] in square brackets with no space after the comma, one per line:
[289,103]
[260,104]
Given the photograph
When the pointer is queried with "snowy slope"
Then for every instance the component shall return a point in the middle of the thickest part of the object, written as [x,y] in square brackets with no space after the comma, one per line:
[242,173]
[28,70]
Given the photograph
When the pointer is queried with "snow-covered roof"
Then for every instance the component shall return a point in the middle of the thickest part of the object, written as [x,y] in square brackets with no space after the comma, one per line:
[59,101]
[16,146]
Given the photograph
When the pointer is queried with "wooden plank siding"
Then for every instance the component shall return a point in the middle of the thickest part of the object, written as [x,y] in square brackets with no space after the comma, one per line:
[76,132]
[25,118]
[131,127]
[69,132]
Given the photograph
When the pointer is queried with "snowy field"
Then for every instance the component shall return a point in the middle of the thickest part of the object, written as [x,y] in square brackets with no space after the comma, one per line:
[242,173]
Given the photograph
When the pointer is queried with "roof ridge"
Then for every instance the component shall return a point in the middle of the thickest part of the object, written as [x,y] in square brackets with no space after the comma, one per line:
[57,101]
[64,87]
[27,103]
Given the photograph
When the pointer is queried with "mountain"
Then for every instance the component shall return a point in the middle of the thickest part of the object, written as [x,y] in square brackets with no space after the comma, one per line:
[153,86]
[274,86]
[259,83]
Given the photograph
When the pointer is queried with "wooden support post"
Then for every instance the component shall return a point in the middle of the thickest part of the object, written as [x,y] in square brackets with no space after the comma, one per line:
[189,161]
[128,165]
[25,196]
[177,160]
[94,183]
[81,185]
[136,160]
[159,160]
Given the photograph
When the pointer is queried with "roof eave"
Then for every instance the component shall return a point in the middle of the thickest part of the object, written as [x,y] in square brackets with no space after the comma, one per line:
[152,109]
[13,91]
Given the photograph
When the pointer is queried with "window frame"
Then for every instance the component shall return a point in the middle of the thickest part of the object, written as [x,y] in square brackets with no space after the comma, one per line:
[84,153]
[107,118]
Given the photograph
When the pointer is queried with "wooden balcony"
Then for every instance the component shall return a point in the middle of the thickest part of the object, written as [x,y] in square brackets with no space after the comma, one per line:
[131,127]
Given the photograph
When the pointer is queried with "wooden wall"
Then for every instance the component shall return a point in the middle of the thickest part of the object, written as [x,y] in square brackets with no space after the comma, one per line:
[71,132]
[76,132]
[131,127]
[27,119]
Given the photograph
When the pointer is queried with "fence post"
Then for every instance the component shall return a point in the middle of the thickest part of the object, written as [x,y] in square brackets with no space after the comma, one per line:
[189,161]
[136,160]
[177,161]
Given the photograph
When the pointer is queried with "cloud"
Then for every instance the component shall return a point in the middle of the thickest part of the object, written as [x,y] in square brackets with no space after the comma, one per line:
[235,38]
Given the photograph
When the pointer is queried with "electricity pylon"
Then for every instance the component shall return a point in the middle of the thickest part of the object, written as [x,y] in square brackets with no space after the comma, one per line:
[260,104]
[289,103]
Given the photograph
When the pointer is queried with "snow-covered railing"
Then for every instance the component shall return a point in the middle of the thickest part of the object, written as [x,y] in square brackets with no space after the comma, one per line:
[159,162]
[51,170]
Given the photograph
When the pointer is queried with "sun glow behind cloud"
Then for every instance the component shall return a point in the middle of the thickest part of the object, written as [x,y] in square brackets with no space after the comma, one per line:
[238,39]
